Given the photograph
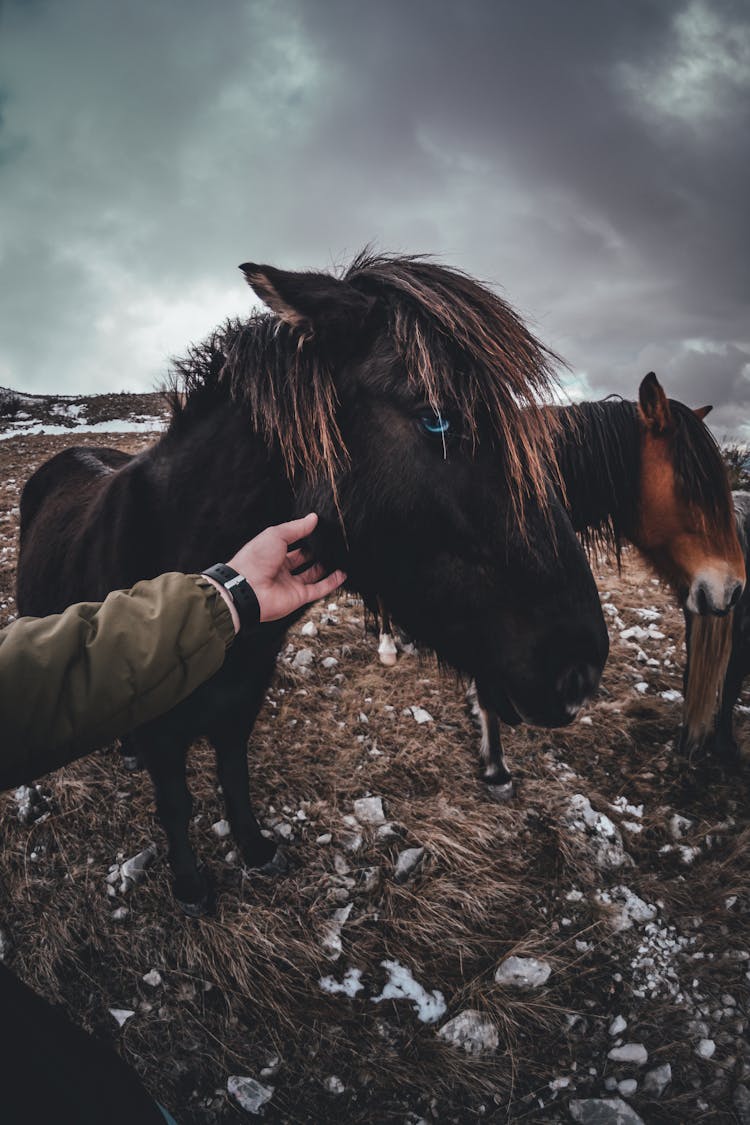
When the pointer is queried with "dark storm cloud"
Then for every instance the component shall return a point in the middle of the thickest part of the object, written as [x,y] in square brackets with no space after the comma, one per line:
[590,158]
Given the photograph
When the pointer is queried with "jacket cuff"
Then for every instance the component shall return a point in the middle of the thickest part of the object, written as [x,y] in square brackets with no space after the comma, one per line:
[218,608]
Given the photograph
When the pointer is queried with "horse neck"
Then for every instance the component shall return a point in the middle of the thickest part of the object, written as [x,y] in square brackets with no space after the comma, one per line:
[218,483]
[599,453]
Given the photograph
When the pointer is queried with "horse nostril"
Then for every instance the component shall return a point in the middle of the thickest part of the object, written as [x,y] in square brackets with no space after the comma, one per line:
[736,595]
[577,683]
[701,601]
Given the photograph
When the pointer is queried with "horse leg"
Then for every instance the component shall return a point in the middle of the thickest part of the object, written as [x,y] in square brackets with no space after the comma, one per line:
[685,745]
[495,772]
[129,757]
[231,764]
[725,746]
[165,760]
[387,651]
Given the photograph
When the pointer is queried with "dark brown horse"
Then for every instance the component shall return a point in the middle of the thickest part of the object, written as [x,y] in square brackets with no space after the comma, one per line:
[397,401]
[648,473]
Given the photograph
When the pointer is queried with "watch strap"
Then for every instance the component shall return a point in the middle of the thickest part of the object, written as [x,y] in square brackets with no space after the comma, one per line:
[240,591]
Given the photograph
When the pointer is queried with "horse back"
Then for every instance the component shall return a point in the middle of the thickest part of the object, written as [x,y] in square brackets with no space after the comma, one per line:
[79,529]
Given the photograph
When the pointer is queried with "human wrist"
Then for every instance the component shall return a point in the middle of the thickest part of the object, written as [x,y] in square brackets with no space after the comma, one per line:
[227,598]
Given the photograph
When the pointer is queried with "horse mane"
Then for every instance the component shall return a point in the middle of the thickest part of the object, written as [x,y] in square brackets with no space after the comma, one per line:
[599,456]
[700,473]
[461,346]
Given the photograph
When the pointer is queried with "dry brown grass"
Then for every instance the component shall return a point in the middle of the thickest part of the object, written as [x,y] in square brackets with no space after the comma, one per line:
[243,985]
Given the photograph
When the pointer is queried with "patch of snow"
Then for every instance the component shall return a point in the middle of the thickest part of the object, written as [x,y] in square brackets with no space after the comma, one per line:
[122,1015]
[401,985]
[350,985]
[599,835]
[627,907]
[116,426]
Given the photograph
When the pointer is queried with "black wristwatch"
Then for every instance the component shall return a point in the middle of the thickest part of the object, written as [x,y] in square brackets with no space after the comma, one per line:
[241,593]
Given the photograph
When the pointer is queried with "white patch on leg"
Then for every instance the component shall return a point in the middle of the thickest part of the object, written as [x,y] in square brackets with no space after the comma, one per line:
[387,650]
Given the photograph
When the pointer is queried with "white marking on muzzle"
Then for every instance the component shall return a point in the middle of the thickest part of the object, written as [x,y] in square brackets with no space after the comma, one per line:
[714,584]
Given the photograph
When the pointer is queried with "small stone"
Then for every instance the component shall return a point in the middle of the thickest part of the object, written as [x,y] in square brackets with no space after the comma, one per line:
[617,1026]
[388,831]
[741,1103]
[248,1093]
[334,1085]
[283,830]
[272,1067]
[152,978]
[627,1087]
[221,828]
[421,716]
[610,1082]
[324,838]
[329,662]
[656,1081]
[303,659]
[122,1015]
[523,972]
[705,1049]
[369,810]
[679,826]
[231,858]
[309,629]
[120,913]
[407,863]
[603,1111]
[133,869]
[629,1053]
[471,1031]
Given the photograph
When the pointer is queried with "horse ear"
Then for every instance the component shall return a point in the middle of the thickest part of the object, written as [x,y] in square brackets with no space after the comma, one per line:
[315,303]
[654,405]
[702,411]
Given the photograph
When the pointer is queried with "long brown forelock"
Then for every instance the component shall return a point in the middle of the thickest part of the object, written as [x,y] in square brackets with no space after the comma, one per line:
[700,473]
[443,321]
[710,649]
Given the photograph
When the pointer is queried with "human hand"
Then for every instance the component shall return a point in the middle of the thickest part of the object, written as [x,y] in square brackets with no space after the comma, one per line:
[267,564]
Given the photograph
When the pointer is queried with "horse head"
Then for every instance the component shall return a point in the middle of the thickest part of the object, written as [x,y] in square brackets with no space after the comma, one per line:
[407,414]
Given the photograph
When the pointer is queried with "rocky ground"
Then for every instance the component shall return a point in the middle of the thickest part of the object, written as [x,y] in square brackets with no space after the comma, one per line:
[581,952]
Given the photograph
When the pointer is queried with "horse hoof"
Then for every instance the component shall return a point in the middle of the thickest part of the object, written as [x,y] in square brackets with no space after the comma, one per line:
[194,897]
[387,651]
[278,864]
[501,794]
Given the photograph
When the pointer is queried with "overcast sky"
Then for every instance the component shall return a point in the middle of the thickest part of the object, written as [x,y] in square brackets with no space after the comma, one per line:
[591,158]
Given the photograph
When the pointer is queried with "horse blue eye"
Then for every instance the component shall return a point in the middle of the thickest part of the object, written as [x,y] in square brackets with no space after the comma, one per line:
[434,424]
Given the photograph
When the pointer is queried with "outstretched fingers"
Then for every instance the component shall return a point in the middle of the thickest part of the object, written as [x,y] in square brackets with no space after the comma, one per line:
[324,586]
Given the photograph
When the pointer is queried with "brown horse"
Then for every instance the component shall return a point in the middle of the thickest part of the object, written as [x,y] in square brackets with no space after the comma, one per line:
[650,474]
[397,401]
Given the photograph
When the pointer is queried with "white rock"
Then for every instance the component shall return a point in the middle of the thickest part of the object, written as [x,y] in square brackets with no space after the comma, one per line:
[627,1087]
[523,972]
[221,828]
[324,838]
[303,659]
[629,1053]
[641,687]
[603,1111]
[656,1081]
[599,836]
[369,810]
[679,826]
[334,1085]
[331,937]
[152,978]
[634,633]
[248,1093]
[705,1049]
[133,869]
[617,1026]
[407,862]
[329,662]
[672,696]
[309,629]
[471,1031]
[272,1067]
[122,1015]
[121,913]
[421,716]
[626,907]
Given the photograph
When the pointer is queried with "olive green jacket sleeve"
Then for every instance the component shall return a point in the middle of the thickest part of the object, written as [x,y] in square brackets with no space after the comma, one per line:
[72,682]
